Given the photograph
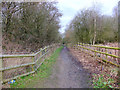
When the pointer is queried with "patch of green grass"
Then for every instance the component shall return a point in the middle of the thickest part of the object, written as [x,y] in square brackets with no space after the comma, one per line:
[43,72]
[100,82]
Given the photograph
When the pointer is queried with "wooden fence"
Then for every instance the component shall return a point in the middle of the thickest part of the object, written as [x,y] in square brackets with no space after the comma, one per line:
[14,66]
[108,55]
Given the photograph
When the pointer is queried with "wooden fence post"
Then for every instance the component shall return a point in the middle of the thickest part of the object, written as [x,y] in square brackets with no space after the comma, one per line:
[47,52]
[33,62]
[44,53]
[95,52]
[41,53]
[106,52]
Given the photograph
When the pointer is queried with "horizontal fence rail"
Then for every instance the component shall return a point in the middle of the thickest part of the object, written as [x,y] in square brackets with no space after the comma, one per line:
[14,66]
[106,54]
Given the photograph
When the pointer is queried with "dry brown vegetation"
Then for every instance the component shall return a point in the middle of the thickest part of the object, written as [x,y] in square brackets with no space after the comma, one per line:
[96,66]
[10,62]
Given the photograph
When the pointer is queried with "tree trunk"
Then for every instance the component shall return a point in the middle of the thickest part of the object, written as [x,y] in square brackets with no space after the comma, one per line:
[94,38]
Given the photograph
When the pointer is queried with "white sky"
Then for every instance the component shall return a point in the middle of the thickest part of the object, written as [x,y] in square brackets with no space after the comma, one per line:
[69,8]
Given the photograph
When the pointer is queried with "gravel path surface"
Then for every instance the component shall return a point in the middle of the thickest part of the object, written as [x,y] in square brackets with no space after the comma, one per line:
[66,73]
[71,74]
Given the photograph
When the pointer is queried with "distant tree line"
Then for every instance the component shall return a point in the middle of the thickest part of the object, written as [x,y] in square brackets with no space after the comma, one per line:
[34,24]
[90,26]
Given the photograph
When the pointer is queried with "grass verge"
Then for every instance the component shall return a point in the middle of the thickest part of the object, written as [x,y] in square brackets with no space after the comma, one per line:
[43,72]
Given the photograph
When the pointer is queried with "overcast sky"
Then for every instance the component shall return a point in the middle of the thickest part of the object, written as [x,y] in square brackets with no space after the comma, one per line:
[69,8]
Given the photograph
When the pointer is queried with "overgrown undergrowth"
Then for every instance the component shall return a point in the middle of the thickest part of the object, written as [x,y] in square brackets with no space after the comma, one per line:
[43,72]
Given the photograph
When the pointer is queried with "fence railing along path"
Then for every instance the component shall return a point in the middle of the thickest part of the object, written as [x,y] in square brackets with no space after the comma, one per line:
[14,66]
[109,55]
